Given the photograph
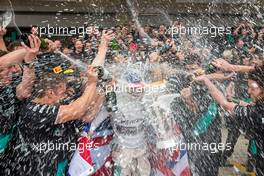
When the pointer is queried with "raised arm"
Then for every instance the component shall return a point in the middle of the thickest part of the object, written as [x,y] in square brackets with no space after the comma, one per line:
[220,76]
[225,66]
[216,94]
[95,108]
[78,108]
[12,58]
[105,39]
[24,89]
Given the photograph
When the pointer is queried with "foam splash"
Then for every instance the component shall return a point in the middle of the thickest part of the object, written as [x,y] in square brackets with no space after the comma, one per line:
[78,63]
[165,15]
[135,17]
[14,17]
[6,18]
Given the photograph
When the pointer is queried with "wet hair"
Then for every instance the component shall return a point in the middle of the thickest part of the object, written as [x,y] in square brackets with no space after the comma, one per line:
[48,61]
[257,75]
[48,81]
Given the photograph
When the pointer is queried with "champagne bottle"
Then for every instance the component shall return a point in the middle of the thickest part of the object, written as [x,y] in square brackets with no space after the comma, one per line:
[114,45]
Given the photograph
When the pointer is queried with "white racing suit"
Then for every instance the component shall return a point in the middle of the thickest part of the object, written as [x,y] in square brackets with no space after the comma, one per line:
[130,153]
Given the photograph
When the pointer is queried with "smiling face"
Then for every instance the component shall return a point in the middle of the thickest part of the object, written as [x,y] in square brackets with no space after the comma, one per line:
[255,91]
[78,46]
[51,88]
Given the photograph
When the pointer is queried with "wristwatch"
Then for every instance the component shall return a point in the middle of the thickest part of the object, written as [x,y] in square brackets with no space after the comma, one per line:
[28,65]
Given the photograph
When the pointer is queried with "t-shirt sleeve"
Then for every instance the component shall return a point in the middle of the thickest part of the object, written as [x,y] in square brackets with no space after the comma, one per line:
[52,114]
[43,114]
[245,114]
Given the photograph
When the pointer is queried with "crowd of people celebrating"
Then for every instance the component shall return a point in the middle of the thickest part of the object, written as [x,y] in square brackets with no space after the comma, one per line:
[67,91]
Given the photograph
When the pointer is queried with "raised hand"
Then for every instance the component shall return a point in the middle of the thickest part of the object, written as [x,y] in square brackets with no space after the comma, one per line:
[33,50]
[107,36]
[223,65]
[92,74]
[105,39]
[95,108]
